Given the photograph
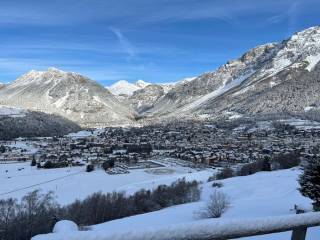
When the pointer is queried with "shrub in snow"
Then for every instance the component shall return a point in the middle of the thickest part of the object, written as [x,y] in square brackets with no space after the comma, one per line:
[217,204]
[2,149]
[211,178]
[310,181]
[48,164]
[33,163]
[217,184]
[89,168]
[286,160]
[108,164]
[298,209]
[224,173]
[254,167]
[65,226]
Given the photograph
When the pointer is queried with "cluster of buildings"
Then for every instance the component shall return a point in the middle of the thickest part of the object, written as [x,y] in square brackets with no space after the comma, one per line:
[200,143]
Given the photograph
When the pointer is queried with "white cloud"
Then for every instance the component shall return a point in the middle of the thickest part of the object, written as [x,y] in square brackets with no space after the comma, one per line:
[124,42]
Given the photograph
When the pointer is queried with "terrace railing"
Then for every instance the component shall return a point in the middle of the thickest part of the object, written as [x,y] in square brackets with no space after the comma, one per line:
[211,229]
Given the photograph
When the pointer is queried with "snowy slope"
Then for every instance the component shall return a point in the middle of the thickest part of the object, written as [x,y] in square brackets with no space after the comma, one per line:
[266,194]
[313,60]
[221,90]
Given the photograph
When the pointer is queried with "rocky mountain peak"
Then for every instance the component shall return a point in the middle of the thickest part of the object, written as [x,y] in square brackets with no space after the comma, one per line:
[49,77]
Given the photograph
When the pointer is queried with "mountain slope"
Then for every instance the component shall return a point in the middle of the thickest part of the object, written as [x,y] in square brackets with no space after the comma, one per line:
[264,79]
[68,94]
[143,99]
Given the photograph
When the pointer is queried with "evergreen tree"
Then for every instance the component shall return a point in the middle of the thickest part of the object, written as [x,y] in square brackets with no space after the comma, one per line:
[310,181]
[33,162]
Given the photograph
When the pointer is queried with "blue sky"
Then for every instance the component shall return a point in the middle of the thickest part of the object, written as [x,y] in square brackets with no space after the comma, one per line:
[158,41]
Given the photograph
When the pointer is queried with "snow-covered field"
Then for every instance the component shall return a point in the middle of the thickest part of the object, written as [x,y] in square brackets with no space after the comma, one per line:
[265,194]
[73,183]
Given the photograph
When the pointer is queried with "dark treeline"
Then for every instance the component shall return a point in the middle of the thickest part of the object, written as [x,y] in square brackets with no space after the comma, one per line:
[35,124]
[37,213]
[277,162]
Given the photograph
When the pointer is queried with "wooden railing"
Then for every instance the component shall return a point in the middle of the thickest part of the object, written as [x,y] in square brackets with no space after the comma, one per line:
[212,229]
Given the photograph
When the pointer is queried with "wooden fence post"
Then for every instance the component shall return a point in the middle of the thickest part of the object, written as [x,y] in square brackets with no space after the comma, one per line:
[299,233]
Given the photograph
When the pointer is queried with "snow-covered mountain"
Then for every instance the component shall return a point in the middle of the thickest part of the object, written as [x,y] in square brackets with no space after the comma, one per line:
[68,94]
[123,87]
[270,78]
[273,77]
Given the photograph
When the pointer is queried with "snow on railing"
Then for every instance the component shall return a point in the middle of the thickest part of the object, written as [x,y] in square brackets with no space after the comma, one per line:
[209,229]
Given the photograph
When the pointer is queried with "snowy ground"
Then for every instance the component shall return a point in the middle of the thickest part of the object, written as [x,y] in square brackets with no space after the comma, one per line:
[259,195]
[26,146]
[12,112]
[74,183]
[302,124]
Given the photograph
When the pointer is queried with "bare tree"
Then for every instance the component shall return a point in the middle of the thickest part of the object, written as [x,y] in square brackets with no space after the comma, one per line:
[217,204]
[8,209]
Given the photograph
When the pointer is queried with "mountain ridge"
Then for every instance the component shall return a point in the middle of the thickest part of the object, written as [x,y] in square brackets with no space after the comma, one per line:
[272,77]
[69,94]
[253,69]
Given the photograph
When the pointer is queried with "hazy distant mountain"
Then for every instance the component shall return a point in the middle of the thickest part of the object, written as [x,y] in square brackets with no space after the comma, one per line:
[68,94]
[15,122]
[123,87]
[144,99]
